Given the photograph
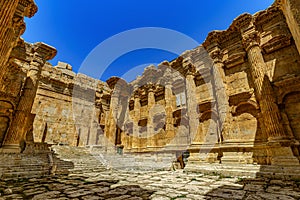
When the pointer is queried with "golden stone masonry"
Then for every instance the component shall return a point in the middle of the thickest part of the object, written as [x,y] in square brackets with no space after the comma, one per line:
[231,105]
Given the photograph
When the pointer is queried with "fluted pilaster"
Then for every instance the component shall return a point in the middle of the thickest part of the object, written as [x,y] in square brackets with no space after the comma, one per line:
[263,89]
[170,133]
[12,26]
[110,130]
[279,143]
[23,120]
[191,105]
[222,98]
[150,128]
[137,115]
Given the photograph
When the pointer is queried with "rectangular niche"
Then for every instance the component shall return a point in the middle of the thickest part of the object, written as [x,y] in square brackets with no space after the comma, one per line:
[143,125]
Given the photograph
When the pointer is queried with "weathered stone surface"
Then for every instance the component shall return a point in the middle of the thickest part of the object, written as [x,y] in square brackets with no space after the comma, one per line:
[218,101]
[230,105]
[194,186]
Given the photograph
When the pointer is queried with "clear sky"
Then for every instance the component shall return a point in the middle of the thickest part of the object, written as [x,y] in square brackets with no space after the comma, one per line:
[76,27]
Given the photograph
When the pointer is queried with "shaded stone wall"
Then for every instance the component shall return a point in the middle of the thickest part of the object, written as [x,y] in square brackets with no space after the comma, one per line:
[12,26]
[69,106]
[20,67]
[291,11]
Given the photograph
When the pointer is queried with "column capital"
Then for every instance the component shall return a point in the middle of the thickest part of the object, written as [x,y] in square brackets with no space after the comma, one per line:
[150,87]
[251,40]
[190,73]
[150,90]
[136,94]
[114,94]
[216,55]
[44,51]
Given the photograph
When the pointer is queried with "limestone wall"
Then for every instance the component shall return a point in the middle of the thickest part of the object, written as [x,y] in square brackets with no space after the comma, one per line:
[236,103]
[234,99]
[68,107]
[291,11]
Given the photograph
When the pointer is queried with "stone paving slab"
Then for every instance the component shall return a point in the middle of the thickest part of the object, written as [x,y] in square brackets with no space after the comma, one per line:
[143,185]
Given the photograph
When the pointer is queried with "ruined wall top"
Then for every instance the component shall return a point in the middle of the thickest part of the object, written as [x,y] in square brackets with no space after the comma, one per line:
[243,25]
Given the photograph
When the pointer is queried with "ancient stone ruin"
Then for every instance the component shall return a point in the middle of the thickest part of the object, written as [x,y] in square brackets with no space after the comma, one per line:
[231,105]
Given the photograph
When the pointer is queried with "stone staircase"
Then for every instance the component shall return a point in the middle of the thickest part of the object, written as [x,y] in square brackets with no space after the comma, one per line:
[247,170]
[241,170]
[134,161]
[83,161]
[36,161]
[97,159]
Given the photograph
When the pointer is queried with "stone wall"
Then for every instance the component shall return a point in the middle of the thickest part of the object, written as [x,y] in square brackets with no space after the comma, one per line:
[68,107]
[291,11]
[20,69]
[232,100]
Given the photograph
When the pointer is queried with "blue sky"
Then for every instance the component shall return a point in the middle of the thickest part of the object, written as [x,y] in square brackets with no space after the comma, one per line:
[76,27]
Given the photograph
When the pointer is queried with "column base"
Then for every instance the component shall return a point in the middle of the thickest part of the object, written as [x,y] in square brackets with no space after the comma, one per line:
[153,148]
[12,148]
[280,152]
[282,156]
[237,158]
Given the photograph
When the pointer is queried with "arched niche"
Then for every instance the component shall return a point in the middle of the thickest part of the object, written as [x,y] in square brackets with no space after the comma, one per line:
[208,130]
[292,109]
[244,124]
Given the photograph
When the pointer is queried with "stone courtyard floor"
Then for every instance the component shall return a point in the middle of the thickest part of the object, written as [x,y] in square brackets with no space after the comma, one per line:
[138,185]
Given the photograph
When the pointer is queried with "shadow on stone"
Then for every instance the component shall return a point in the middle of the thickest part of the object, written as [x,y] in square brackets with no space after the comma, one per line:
[256,189]
[69,187]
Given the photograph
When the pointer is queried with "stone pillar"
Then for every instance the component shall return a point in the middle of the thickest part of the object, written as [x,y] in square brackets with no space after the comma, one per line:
[7,11]
[170,132]
[137,116]
[208,153]
[150,128]
[130,135]
[222,98]
[20,123]
[279,143]
[12,26]
[192,116]
[191,106]
[110,130]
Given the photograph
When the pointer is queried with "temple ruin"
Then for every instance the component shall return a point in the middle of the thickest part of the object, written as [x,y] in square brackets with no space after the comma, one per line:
[233,101]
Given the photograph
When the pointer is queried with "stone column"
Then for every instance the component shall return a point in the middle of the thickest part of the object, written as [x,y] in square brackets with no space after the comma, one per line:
[110,130]
[12,26]
[170,132]
[130,136]
[191,106]
[150,128]
[7,11]
[222,98]
[20,124]
[208,151]
[192,117]
[279,143]
[137,115]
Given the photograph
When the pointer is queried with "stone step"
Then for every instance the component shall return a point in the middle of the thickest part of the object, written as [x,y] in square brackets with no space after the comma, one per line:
[85,159]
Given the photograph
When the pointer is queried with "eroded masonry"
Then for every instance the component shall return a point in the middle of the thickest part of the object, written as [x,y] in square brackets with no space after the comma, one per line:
[234,100]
